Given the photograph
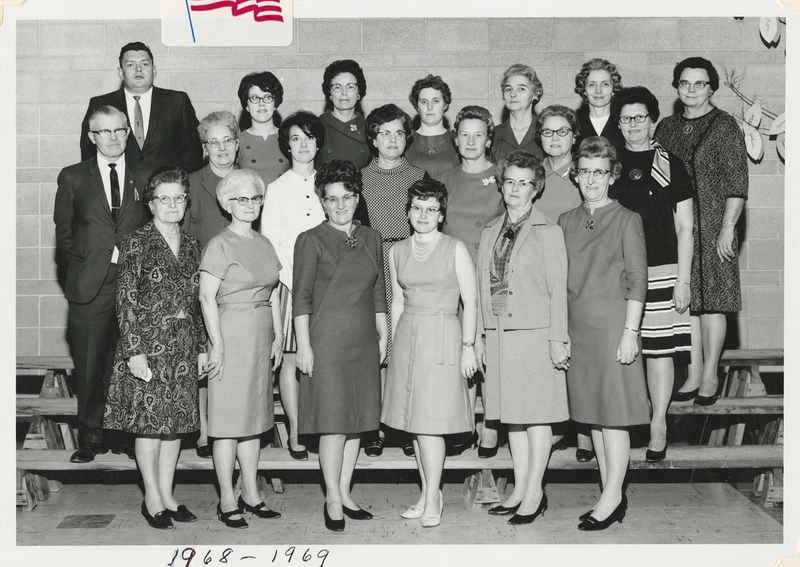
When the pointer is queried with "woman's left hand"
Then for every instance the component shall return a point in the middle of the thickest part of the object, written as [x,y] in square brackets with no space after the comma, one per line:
[277,351]
[628,347]
[202,360]
[383,347]
[725,243]
[681,295]
[469,362]
[559,355]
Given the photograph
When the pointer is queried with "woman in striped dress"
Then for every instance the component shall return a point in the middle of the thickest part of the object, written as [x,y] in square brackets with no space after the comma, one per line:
[655,184]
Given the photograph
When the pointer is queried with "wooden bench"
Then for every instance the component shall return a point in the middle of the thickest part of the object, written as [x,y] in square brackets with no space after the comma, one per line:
[718,456]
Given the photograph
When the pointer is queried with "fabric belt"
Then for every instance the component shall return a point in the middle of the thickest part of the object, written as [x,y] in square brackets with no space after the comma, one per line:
[445,329]
[243,306]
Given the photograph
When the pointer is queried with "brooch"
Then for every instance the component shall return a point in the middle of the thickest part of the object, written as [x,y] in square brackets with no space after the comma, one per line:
[353,128]
[430,150]
[488,181]
[688,129]
[351,241]
[589,225]
[635,174]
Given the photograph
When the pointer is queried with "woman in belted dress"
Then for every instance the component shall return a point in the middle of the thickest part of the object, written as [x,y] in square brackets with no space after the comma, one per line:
[426,386]
[238,294]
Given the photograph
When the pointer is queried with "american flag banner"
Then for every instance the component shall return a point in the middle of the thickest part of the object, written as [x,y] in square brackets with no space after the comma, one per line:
[262,10]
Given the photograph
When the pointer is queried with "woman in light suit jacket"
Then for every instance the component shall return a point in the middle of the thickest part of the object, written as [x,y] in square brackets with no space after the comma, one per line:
[522,280]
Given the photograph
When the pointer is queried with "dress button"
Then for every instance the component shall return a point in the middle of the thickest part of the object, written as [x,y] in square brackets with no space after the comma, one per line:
[280,160]
[510,293]
[509,314]
[477,245]
[248,147]
[478,224]
[362,151]
[252,161]
[308,214]
[308,196]
[330,152]
[108,251]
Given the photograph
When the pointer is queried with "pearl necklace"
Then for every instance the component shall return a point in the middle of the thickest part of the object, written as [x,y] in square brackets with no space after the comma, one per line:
[422,251]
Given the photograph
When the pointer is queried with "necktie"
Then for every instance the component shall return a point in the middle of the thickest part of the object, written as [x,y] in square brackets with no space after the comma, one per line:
[138,123]
[114,190]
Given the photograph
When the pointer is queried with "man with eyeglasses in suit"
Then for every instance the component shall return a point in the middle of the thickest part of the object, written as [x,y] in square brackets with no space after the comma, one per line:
[163,122]
[98,203]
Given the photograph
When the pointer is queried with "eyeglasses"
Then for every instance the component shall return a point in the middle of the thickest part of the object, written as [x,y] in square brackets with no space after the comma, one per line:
[429,211]
[346,200]
[266,99]
[639,118]
[215,144]
[244,201]
[547,133]
[698,85]
[340,88]
[521,184]
[399,134]
[598,174]
[106,134]
[178,199]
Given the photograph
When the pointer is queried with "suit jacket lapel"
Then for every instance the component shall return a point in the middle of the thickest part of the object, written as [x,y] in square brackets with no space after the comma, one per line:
[155,115]
[208,182]
[536,218]
[97,185]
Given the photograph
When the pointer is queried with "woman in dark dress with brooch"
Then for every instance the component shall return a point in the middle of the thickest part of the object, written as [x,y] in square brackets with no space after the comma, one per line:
[431,147]
[153,390]
[606,288]
[339,305]
[655,184]
[711,145]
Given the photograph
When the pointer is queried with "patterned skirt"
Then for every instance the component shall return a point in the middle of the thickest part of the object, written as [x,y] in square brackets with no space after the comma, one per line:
[665,332]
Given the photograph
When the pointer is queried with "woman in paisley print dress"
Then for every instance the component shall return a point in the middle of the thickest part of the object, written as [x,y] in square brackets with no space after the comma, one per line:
[153,390]
[711,146]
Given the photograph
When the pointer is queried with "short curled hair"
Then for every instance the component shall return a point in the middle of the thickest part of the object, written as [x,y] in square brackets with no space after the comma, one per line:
[522,160]
[337,171]
[236,179]
[265,81]
[475,112]
[635,95]
[597,64]
[134,46]
[428,189]
[166,174]
[596,147]
[385,114]
[528,73]
[430,82]
[218,118]
[696,63]
[337,68]
[308,123]
[558,110]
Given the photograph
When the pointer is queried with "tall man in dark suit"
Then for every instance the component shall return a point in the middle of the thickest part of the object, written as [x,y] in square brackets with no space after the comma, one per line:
[98,202]
[163,122]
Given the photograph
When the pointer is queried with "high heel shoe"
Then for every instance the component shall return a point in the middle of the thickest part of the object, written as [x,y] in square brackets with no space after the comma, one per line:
[585,515]
[301,455]
[520,519]
[458,448]
[330,523]
[705,400]
[408,449]
[225,518]
[560,445]
[182,514]
[584,455]
[161,521]
[431,521]
[502,510]
[591,524]
[375,447]
[685,396]
[357,514]
[656,456]
[259,510]
[489,452]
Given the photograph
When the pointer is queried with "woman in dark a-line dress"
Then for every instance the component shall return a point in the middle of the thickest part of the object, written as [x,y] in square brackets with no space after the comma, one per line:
[339,305]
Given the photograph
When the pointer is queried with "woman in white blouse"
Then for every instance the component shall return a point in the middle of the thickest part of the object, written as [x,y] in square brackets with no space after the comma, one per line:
[292,207]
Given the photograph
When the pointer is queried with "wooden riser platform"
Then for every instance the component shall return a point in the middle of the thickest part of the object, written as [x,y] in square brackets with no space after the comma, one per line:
[30,405]
[725,457]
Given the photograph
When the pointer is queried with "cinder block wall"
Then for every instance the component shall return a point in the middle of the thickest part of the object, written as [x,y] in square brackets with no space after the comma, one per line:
[60,65]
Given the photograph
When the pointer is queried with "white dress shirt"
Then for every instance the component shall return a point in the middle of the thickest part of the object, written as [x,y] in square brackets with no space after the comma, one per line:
[145,101]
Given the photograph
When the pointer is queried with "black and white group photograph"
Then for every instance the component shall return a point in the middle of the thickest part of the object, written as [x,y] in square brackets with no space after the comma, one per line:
[434,284]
